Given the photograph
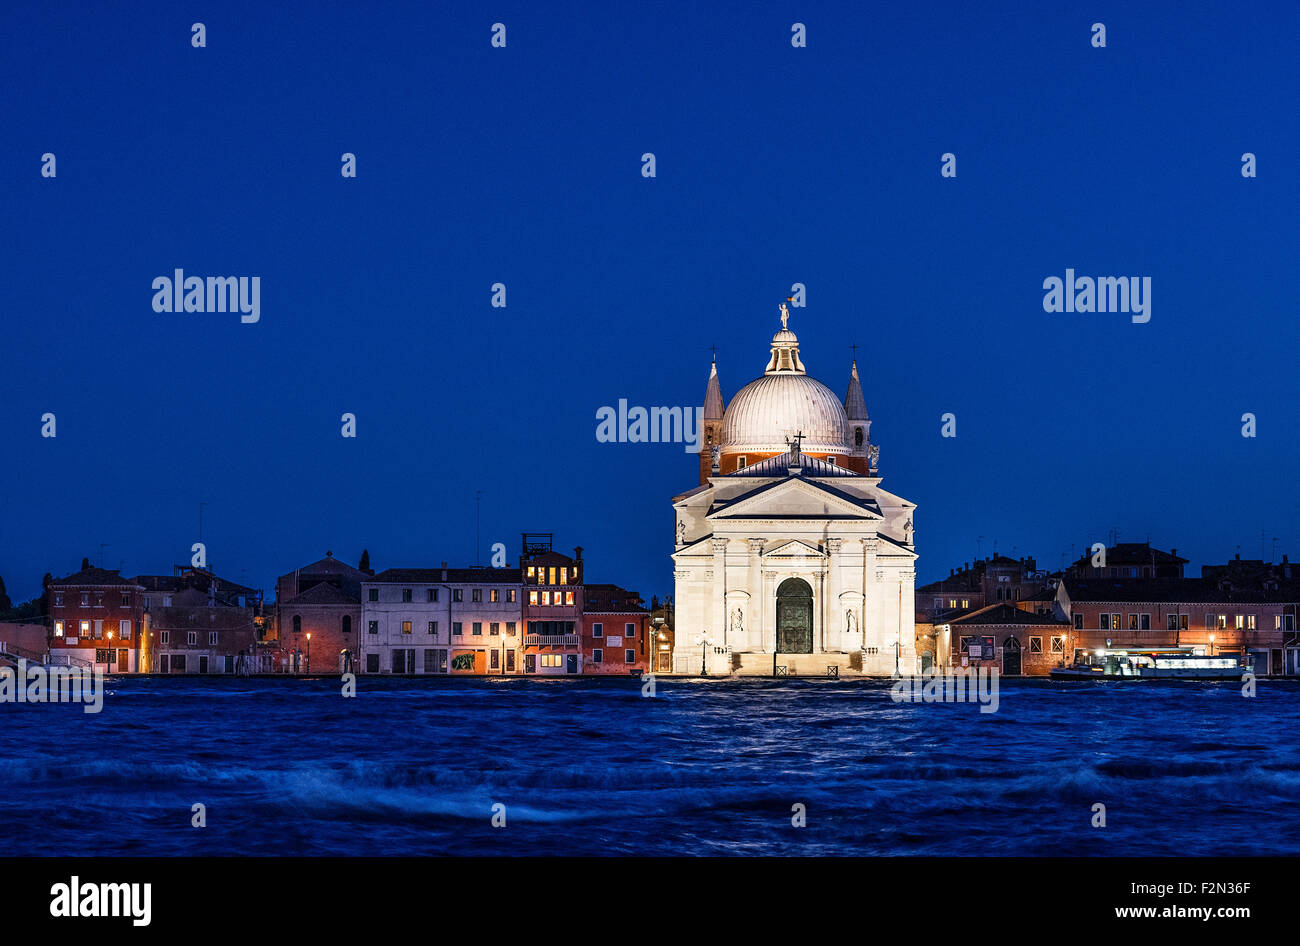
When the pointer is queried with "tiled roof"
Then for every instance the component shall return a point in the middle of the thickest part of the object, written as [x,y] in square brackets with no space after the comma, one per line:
[323,593]
[1003,614]
[95,576]
[1174,590]
[1133,553]
[426,576]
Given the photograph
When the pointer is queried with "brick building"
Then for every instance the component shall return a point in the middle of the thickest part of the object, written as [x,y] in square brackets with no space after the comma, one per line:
[1010,638]
[1129,560]
[614,631]
[198,622]
[1257,619]
[96,620]
[552,607]
[983,582]
[318,617]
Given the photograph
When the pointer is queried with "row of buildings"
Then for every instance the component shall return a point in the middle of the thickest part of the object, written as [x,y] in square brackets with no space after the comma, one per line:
[541,618]
[1007,613]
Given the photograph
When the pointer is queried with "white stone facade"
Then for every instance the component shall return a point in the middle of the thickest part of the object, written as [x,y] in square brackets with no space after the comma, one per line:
[744,534]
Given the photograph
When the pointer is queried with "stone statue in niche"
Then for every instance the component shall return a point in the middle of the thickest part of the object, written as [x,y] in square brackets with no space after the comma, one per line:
[850,622]
[681,533]
[907,531]
[738,621]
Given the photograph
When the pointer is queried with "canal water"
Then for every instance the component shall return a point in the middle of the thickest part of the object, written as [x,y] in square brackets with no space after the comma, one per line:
[593,767]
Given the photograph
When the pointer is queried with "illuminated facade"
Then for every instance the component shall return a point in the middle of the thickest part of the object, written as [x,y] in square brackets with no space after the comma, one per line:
[789,556]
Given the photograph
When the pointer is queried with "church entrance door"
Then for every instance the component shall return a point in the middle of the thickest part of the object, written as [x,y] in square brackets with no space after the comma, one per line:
[794,617]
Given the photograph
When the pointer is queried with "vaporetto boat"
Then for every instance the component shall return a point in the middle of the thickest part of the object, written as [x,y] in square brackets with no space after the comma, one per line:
[1152,663]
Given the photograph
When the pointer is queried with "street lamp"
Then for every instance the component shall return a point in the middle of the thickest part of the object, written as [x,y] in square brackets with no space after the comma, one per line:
[307,669]
[704,643]
[1211,645]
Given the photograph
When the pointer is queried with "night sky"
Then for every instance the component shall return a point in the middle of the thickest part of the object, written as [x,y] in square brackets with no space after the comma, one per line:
[522,165]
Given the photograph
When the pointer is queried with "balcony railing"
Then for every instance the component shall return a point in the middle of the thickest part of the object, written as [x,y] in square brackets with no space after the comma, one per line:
[552,640]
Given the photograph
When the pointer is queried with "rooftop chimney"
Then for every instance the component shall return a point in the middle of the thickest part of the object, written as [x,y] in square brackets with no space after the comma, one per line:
[577,552]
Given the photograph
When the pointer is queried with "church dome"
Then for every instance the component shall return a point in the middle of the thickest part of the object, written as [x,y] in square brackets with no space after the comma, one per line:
[765,413]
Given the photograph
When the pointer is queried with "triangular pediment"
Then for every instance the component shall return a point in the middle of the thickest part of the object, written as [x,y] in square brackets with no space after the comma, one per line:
[795,498]
[794,549]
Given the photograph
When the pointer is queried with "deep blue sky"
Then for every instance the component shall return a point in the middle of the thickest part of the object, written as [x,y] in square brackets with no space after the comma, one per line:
[522,165]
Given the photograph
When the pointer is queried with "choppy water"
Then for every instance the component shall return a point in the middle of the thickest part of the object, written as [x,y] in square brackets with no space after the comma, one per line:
[592,767]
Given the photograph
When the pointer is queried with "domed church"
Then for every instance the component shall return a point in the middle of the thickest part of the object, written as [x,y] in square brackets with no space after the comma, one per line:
[790,559]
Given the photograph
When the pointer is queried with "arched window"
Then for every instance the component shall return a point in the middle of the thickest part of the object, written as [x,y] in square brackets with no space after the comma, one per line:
[347,624]
[297,624]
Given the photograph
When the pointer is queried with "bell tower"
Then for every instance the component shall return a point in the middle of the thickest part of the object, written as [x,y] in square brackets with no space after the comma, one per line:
[711,434]
[855,408]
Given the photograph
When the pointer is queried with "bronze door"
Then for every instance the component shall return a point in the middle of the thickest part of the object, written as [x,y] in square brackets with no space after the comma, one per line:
[794,617]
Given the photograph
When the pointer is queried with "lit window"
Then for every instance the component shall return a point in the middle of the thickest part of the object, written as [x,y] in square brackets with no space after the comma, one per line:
[494,629]
[510,595]
[532,597]
[568,597]
[58,628]
[494,595]
[406,627]
[546,597]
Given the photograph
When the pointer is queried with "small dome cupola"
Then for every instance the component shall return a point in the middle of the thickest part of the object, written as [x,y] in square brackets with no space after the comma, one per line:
[785,349]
